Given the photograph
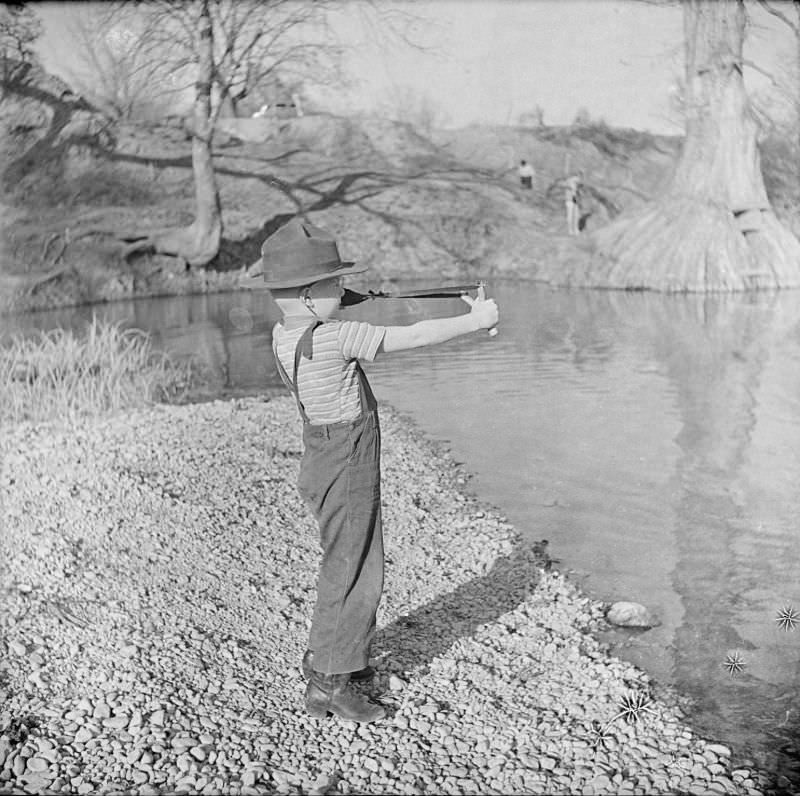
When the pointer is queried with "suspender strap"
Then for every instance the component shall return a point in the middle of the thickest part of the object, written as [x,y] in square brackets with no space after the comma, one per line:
[367,399]
[304,346]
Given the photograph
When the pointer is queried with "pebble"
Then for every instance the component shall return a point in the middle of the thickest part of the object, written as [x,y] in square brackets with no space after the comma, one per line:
[183,742]
[36,783]
[630,614]
[44,745]
[116,722]
[37,764]
[249,778]
[83,735]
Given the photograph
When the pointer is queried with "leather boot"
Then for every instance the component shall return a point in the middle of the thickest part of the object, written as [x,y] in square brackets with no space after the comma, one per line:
[361,676]
[330,693]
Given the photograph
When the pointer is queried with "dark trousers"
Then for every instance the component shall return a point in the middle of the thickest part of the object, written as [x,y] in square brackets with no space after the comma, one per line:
[340,479]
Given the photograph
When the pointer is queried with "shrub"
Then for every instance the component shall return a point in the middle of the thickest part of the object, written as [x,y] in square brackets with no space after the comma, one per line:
[97,184]
[59,375]
[582,118]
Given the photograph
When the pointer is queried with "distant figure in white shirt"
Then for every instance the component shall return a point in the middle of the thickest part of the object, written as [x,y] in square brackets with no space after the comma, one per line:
[572,200]
[526,173]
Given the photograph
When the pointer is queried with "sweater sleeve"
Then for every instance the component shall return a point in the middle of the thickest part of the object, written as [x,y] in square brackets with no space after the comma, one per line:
[358,340]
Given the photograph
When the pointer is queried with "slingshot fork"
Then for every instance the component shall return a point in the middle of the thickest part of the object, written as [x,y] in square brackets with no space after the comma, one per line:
[482,297]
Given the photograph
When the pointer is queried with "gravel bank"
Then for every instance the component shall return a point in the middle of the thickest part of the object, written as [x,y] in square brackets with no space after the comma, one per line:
[159,576]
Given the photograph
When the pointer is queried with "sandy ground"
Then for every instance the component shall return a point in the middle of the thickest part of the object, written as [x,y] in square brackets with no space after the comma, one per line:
[158,580]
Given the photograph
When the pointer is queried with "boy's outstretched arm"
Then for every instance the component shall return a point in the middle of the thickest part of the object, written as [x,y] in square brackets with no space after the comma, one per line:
[483,315]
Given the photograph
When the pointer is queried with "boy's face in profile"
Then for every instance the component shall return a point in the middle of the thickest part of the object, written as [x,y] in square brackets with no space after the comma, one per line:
[318,300]
[325,296]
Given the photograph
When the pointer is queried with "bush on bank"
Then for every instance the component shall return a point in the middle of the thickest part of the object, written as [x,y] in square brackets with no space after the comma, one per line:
[61,375]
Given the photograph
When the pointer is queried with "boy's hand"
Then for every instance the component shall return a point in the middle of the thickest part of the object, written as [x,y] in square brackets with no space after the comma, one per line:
[483,310]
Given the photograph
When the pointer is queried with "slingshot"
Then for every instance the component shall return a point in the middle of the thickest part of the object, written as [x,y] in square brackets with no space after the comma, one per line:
[352,297]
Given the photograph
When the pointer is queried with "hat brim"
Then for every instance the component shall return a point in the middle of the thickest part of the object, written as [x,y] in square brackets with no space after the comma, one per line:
[259,283]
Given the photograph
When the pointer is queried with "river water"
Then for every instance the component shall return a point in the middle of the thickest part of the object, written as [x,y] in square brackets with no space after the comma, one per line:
[653,440]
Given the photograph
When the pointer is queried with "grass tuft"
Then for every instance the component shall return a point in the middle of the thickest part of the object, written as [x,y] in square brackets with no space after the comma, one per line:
[62,376]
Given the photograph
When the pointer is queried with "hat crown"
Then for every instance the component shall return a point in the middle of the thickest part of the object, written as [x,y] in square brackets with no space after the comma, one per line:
[297,246]
[300,253]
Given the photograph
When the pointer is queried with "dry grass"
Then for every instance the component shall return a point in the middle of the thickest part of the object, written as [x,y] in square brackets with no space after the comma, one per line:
[62,376]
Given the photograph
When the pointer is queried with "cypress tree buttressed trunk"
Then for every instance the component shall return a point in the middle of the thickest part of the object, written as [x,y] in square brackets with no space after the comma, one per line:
[713,228]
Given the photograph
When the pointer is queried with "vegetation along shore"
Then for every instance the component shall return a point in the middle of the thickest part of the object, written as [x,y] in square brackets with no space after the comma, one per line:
[159,567]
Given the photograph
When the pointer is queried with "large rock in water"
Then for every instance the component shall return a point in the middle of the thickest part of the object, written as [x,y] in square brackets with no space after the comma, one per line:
[627,614]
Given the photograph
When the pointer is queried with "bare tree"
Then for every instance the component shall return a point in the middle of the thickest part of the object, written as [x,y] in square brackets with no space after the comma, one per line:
[114,72]
[38,109]
[713,228]
[582,117]
[19,29]
[407,104]
[532,118]
[229,45]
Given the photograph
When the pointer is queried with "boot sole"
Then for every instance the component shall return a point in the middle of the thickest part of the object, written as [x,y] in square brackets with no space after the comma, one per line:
[317,713]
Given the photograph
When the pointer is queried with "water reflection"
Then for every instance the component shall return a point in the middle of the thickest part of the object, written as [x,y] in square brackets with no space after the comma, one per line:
[733,364]
[652,439]
[229,333]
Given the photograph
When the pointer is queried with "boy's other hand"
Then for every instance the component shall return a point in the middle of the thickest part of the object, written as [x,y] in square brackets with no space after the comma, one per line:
[483,310]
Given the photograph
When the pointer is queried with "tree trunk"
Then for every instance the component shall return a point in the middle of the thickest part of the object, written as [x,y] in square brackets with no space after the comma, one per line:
[796,30]
[713,228]
[198,243]
[208,222]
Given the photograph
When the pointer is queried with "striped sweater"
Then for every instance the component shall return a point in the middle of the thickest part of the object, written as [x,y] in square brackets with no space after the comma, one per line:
[328,383]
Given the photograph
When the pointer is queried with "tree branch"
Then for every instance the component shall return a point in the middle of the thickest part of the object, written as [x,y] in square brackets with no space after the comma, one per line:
[780,15]
[752,65]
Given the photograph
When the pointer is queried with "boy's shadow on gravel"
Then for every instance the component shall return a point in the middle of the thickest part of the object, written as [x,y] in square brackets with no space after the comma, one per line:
[415,639]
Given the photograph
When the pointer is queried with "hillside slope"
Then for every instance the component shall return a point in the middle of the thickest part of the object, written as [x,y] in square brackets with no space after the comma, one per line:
[447,206]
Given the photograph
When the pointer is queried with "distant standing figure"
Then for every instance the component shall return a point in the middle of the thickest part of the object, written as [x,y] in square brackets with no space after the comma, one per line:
[572,201]
[525,174]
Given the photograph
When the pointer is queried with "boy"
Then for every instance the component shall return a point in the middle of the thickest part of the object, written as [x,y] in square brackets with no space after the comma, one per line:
[318,360]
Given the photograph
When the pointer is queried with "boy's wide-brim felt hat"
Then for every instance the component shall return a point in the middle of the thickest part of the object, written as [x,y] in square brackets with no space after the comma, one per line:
[298,254]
